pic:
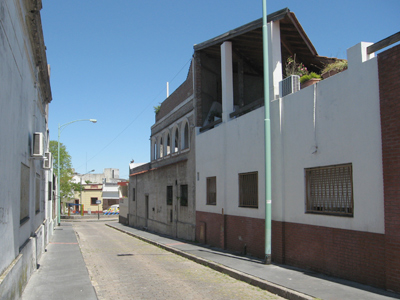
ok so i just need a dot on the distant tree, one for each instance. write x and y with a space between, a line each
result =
67 187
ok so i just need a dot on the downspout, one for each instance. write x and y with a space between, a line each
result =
267 140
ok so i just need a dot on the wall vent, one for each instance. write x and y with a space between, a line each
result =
37 150
48 161
289 85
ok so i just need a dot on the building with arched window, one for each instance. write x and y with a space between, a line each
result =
162 192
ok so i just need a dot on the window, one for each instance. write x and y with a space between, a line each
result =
49 190
161 149
155 155
176 141
184 195
24 196
93 200
248 189
211 190
329 190
186 136
37 194
169 195
133 194
168 144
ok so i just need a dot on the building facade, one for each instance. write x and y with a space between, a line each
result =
96 186
27 198
162 192
335 207
230 155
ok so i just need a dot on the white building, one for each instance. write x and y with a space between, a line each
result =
27 199
335 166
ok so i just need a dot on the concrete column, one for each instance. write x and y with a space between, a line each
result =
275 59
227 80
357 54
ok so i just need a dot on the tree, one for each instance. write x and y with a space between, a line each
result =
67 187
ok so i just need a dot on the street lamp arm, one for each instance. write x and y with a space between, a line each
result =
66 124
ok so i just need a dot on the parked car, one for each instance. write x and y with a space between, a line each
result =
113 210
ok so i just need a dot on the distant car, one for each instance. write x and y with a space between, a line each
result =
113 210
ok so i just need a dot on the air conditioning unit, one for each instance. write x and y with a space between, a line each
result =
48 161
289 85
37 149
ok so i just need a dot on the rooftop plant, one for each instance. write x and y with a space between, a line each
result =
157 108
337 66
309 76
295 68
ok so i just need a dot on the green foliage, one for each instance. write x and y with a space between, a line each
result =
294 68
309 76
157 108
337 66
66 173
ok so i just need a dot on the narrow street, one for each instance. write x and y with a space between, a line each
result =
123 267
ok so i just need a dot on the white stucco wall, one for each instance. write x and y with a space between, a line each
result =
333 122
225 151
22 112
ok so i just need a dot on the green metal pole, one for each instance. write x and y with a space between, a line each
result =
58 179
267 140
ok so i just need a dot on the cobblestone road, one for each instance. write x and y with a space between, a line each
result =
123 267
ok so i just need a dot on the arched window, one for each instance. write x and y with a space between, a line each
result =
168 145
176 141
161 149
154 154
186 136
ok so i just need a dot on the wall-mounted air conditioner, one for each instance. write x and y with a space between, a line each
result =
37 149
289 85
48 161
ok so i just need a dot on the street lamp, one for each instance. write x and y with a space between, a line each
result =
60 127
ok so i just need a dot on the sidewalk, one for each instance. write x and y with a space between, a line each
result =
287 282
62 273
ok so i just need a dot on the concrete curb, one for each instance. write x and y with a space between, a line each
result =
260 283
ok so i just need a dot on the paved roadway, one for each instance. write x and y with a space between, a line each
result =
123 267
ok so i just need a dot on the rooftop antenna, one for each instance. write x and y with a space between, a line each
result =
167 89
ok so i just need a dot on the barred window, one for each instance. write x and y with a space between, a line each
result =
211 190
184 195
248 189
24 196
37 194
329 190
93 201
169 195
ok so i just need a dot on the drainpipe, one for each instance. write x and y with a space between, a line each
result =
267 140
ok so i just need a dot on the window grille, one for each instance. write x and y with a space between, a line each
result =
211 190
248 189
329 190
169 195
93 200
24 193
184 195
37 194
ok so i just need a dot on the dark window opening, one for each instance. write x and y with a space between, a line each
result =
248 189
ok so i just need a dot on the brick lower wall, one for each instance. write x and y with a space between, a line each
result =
234 233
389 94
353 255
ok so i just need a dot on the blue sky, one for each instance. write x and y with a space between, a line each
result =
111 59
